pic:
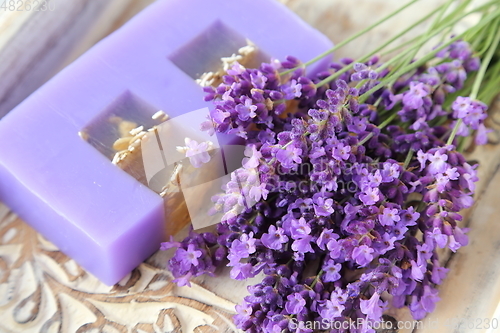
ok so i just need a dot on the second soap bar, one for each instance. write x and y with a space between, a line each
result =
63 183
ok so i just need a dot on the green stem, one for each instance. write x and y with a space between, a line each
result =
404 54
405 69
478 81
399 73
378 49
316 279
476 42
350 39
463 144
426 58
485 64
489 39
408 158
425 37
492 87
454 132
471 35
441 25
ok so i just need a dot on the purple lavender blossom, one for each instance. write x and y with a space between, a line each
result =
332 271
414 98
300 228
331 309
363 255
482 134
295 303
289 156
323 207
373 308
188 257
389 217
325 238
274 239
461 107
246 109
303 245
438 163
292 90
370 196
197 152
330 183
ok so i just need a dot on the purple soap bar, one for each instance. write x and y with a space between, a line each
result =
66 187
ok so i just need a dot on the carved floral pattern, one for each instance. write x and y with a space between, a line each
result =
42 290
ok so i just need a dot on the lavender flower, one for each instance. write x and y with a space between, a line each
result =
274 239
197 152
372 308
332 271
331 184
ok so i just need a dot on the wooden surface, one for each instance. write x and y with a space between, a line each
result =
42 290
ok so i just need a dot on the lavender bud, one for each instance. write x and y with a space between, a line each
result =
220 254
276 95
373 60
372 75
210 238
346 61
269 280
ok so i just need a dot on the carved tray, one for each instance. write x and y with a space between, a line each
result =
42 290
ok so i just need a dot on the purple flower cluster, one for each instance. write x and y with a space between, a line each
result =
347 214
254 97
424 101
472 113
194 256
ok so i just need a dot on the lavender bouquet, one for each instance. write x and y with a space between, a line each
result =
357 176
